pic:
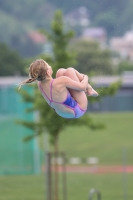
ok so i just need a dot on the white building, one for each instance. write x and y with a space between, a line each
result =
123 45
79 16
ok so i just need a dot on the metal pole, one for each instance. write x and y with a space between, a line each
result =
36 157
47 162
92 192
48 177
64 176
125 197
56 177
36 148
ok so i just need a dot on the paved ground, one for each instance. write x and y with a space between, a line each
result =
101 169
97 169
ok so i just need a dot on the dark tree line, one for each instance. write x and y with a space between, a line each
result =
11 62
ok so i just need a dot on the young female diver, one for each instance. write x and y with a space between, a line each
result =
66 94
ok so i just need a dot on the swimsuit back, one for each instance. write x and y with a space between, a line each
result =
69 101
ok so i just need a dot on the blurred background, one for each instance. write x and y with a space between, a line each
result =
102 47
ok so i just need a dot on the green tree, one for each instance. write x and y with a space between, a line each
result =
48 119
10 62
125 66
62 58
91 58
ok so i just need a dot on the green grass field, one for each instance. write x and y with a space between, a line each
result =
78 187
106 144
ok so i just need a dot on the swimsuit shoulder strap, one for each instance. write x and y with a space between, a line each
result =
42 91
51 90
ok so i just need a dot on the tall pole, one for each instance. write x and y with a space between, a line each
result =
124 174
56 195
36 157
64 176
47 158
36 148
48 177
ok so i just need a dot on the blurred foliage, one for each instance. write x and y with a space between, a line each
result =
91 58
125 66
18 19
107 19
10 62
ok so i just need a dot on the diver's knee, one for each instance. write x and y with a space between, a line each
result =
69 70
60 72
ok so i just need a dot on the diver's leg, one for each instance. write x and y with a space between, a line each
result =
75 75
79 77
79 96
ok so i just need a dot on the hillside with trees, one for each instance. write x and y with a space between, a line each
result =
19 18
115 16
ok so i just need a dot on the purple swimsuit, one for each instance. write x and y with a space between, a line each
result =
69 102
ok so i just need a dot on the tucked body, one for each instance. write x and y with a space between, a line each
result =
66 94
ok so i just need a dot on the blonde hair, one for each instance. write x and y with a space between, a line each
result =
37 71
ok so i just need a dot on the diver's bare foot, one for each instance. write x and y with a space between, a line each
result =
92 92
